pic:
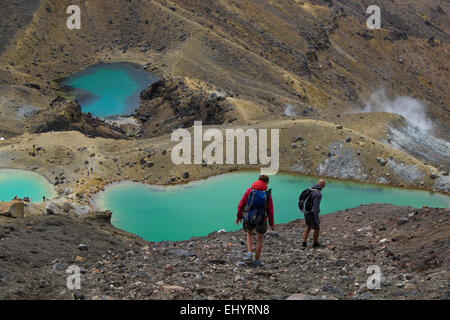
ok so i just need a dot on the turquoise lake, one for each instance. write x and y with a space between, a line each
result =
109 89
158 213
23 183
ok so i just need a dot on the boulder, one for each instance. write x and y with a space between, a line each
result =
80 210
364 229
273 234
183 253
54 208
66 206
402 220
13 209
34 209
99 215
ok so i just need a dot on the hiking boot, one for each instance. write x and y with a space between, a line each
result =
258 263
304 244
317 245
248 257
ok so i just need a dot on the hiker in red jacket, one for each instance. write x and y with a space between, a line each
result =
261 227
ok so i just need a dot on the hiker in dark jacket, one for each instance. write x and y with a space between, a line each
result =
312 218
261 228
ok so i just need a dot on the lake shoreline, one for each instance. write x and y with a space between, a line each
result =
256 171
135 205
43 181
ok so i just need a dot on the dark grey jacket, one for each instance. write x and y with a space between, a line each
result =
316 198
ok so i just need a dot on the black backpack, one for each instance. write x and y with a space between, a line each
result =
305 203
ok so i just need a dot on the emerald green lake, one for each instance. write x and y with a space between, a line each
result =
109 89
23 183
199 208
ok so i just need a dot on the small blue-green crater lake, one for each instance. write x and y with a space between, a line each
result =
23 184
180 212
109 89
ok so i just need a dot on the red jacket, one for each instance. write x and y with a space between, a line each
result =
258 185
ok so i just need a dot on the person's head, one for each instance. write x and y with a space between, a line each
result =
264 178
321 183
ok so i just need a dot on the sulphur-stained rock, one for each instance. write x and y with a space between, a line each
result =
34 209
17 209
13 209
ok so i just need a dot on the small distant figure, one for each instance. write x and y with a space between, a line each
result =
255 208
43 198
309 204
92 169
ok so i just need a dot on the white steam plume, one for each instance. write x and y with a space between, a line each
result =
411 109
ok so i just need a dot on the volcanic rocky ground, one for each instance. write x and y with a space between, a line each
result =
409 245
